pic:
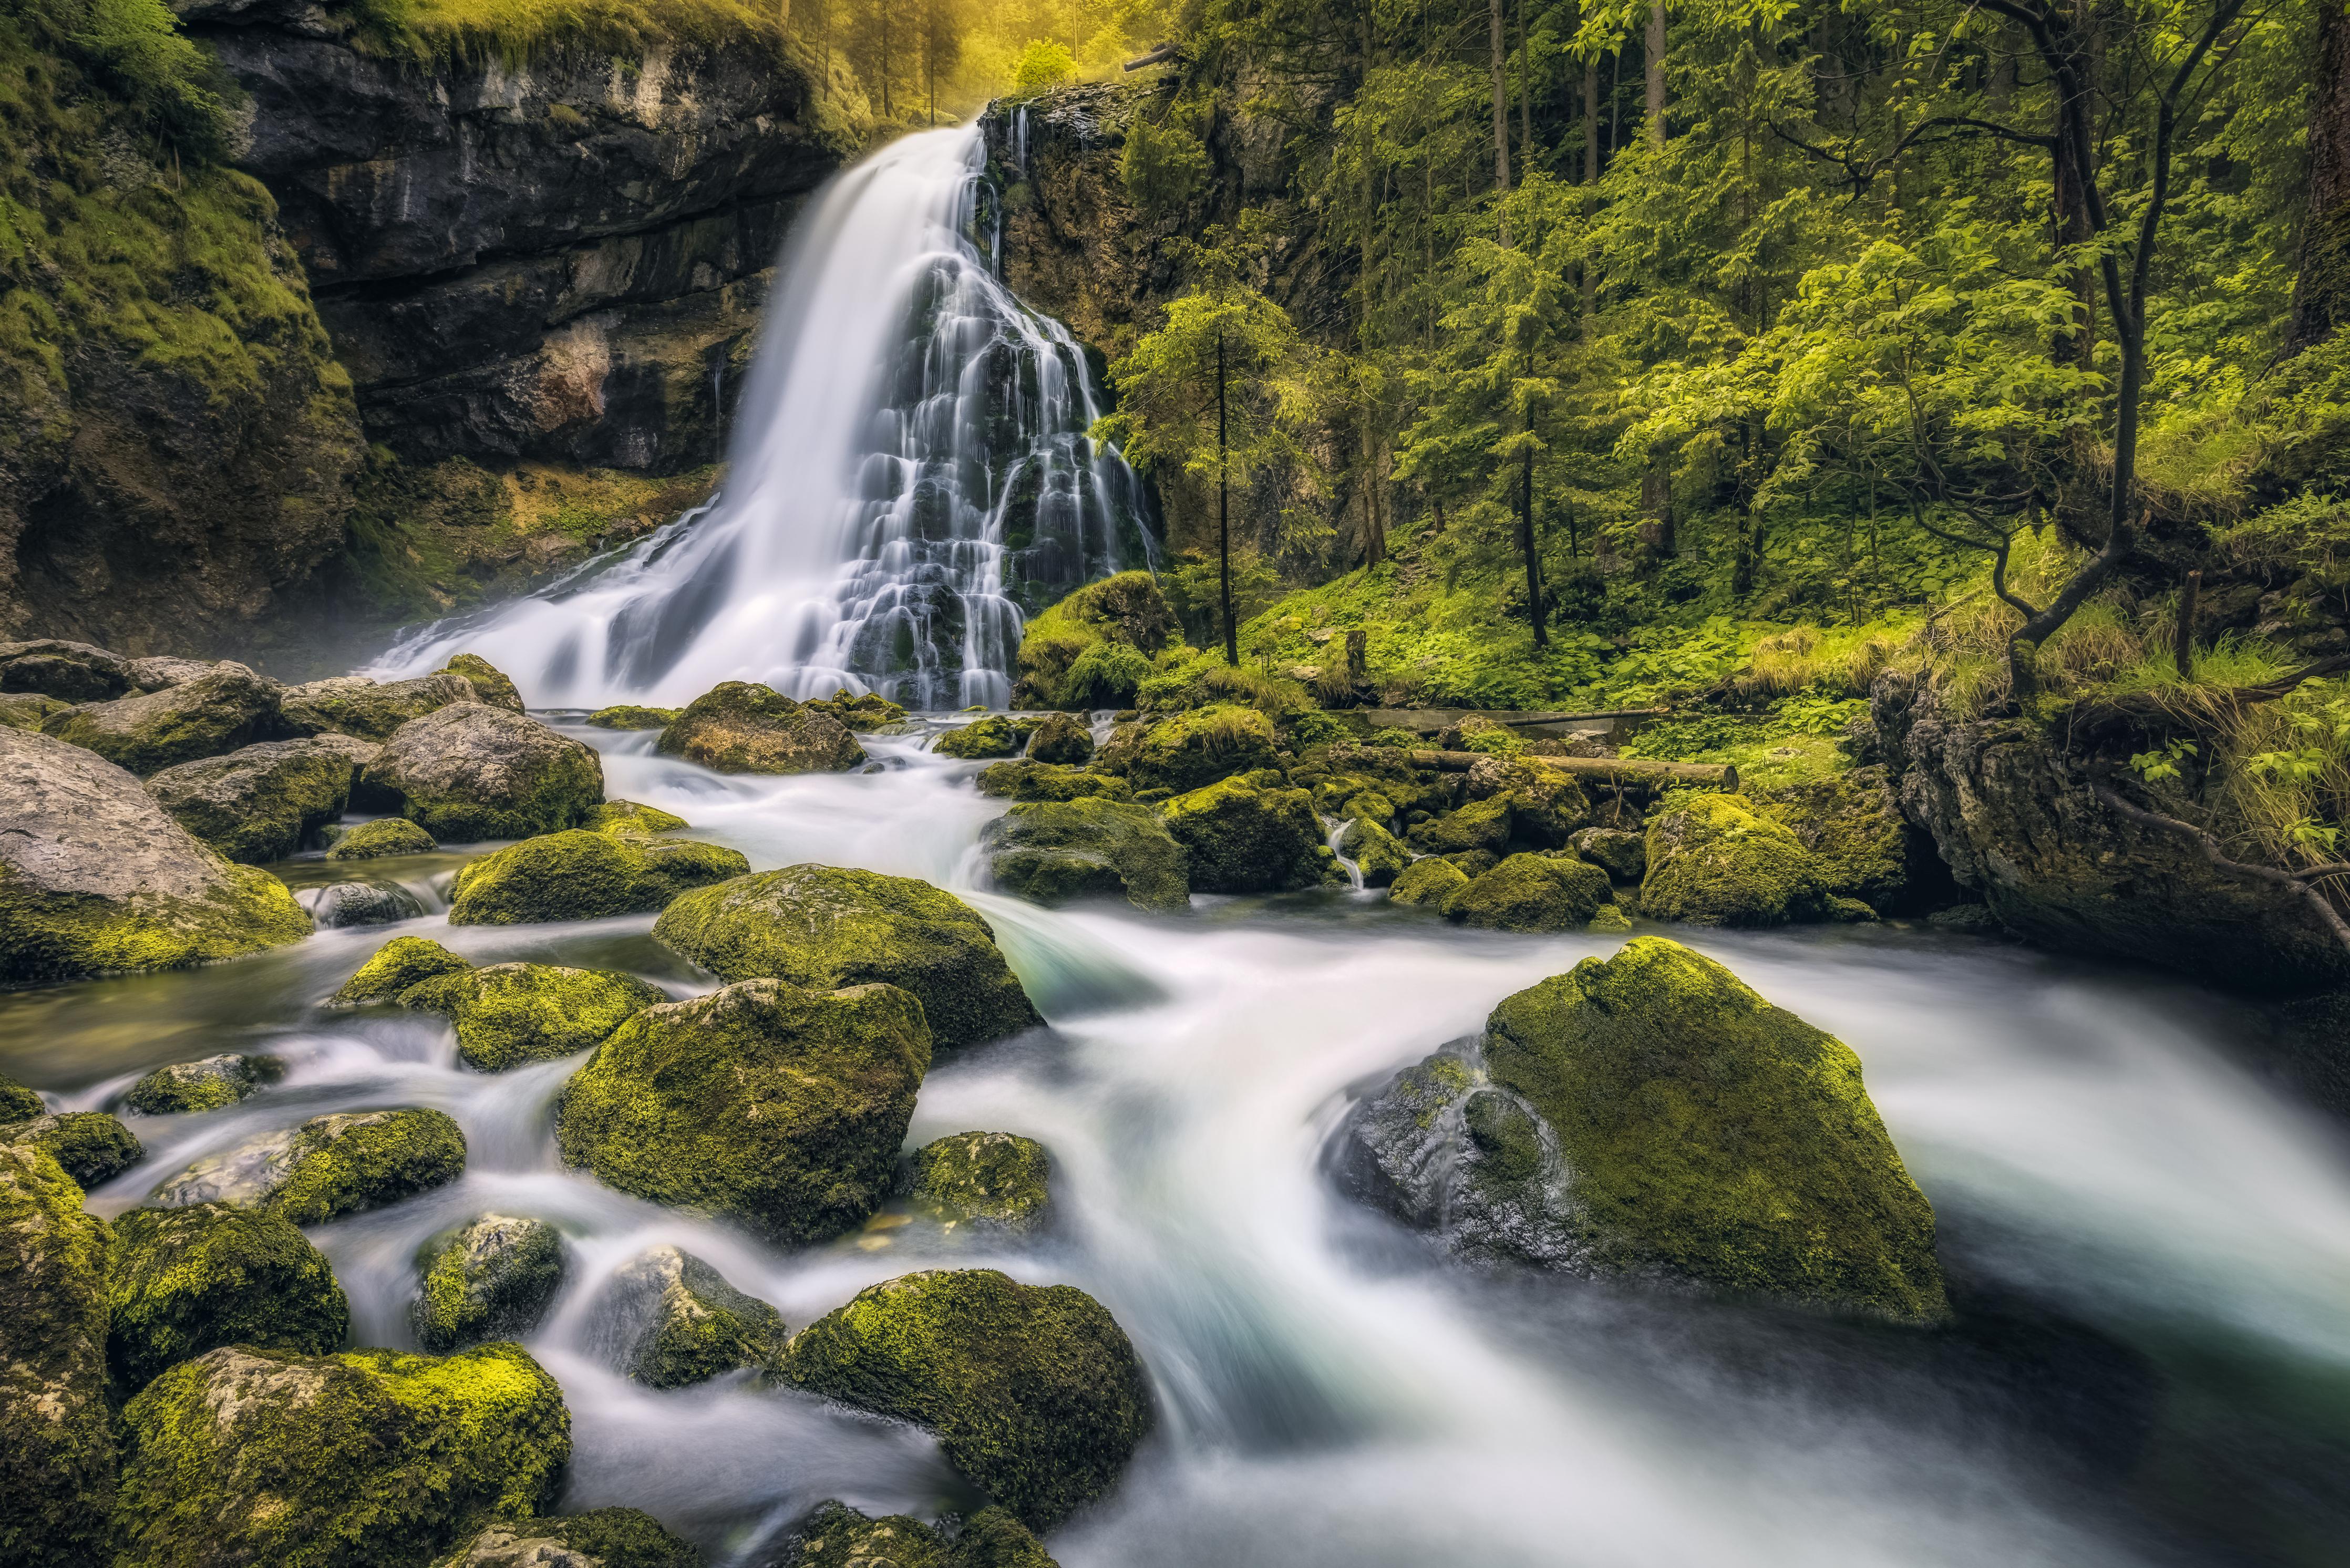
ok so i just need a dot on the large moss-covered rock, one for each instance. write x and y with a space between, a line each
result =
95 876
370 710
1195 748
505 1014
63 670
1428 881
384 837
669 1319
371 1459
1243 839
1094 647
739 728
57 1452
1059 738
1028 780
1481 824
628 819
490 1278
780 1107
1052 853
1713 862
1375 851
230 707
870 712
823 927
1530 893
1622 853
633 716
1034 1392
257 805
89 1145
1861 846
394 967
583 875
328 1167
471 772
186 1281
836 1536
489 684
997 1178
996 735
600 1538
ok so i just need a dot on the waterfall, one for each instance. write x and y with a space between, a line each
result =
910 477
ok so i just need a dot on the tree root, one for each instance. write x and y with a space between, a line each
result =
2301 884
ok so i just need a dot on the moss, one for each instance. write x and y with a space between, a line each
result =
490 1278
18 1102
600 1538
397 965
627 818
371 1459
28 709
385 836
739 728
1199 746
1713 862
1860 845
1094 647
1623 856
1714 1136
1530 893
1042 781
488 683
836 1536
370 710
354 1161
1375 852
57 1452
764 1103
825 926
583 875
1243 839
992 1177
1034 1393
1430 881
186 1281
144 734
690 1325
470 772
1058 737
870 712
996 735
1481 824
91 1147
1054 853
258 803
1611 920
508 1014
45 937
631 716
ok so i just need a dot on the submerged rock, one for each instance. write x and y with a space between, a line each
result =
491 1278
583 875
600 1538
1195 748
739 728
95 876
764 1103
339 905
229 708
57 1445
328 1167
836 1535
384 837
489 685
90 1145
1030 780
1034 1392
505 1014
471 772
998 1178
1713 862
1530 893
1051 853
372 1457
667 1319
825 926
1061 738
370 710
1428 881
257 804
186 1281
632 716
1243 839
996 735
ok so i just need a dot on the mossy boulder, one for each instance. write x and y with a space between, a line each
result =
490 1278
89 1145
627 819
370 710
28 709
632 716
1375 852
1428 881
394 967
1530 892
186 1281
257 805
1034 1392
823 927
739 728
505 1014
1861 846
585 874
470 772
1708 1135
1052 853
780 1107
384 837
1199 746
328 1167
1481 824
1611 920
1243 839
1713 861
95 876
56 1448
996 735
1623 855
600 1538
1094 647
64 670
18 1102
669 1319
862 714
1026 780
489 684
229 708
836 1536
996 1178
1060 738
371 1459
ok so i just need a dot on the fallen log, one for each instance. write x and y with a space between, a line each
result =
1614 770
1158 54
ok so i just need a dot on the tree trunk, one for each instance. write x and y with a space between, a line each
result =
1500 101
1525 98
887 111
1526 542
2320 296
1587 274
1223 517
1656 64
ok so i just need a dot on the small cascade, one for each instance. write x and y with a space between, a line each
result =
1335 829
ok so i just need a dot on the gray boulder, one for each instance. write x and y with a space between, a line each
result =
218 712
1051 852
69 671
491 1278
162 671
256 804
667 1319
371 710
470 772
202 1085
341 904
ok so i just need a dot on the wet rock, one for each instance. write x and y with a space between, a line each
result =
328 1167
996 1178
185 1281
582 875
1199 746
471 772
836 1536
668 1320
627 818
1530 893
996 735
1094 647
777 1107
489 685
244 1455
257 804
505 1014
1611 920
1622 856
1481 824
18 1102
203 1085
57 1447
338 905
384 837
862 714
1375 851
89 1145
1034 1392
229 709
1243 839
28 709
1428 881
399 964
1713 862
825 926
1052 853
1061 738
1860 846
739 728
600 1538
632 716
370 710
491 1278
67 671
1026 780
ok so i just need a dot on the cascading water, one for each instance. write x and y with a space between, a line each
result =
911 472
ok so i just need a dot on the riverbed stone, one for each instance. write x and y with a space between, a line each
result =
1713 861
228 709
1377 853
633 716
18 1102
1428 881
1610 921
370 1458
1034 1392
489 684
669 1319
1195 748
370 710
1622 853
57 1446
995 1179
399 964
1061 738
67 671
823 927
996 735
1051 853
470 772
1024 779
585 874
862 714
257 804
384 837
737 727
185 1281
1244 839
338 906
509 1014
600 1538
1481 824
89 1145
490 1278
834 1535
207 1084
628 819
328 1167
780 1107
1530 892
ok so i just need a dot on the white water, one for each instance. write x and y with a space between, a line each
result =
910 461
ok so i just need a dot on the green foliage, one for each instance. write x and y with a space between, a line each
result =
1163 165
1044 62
